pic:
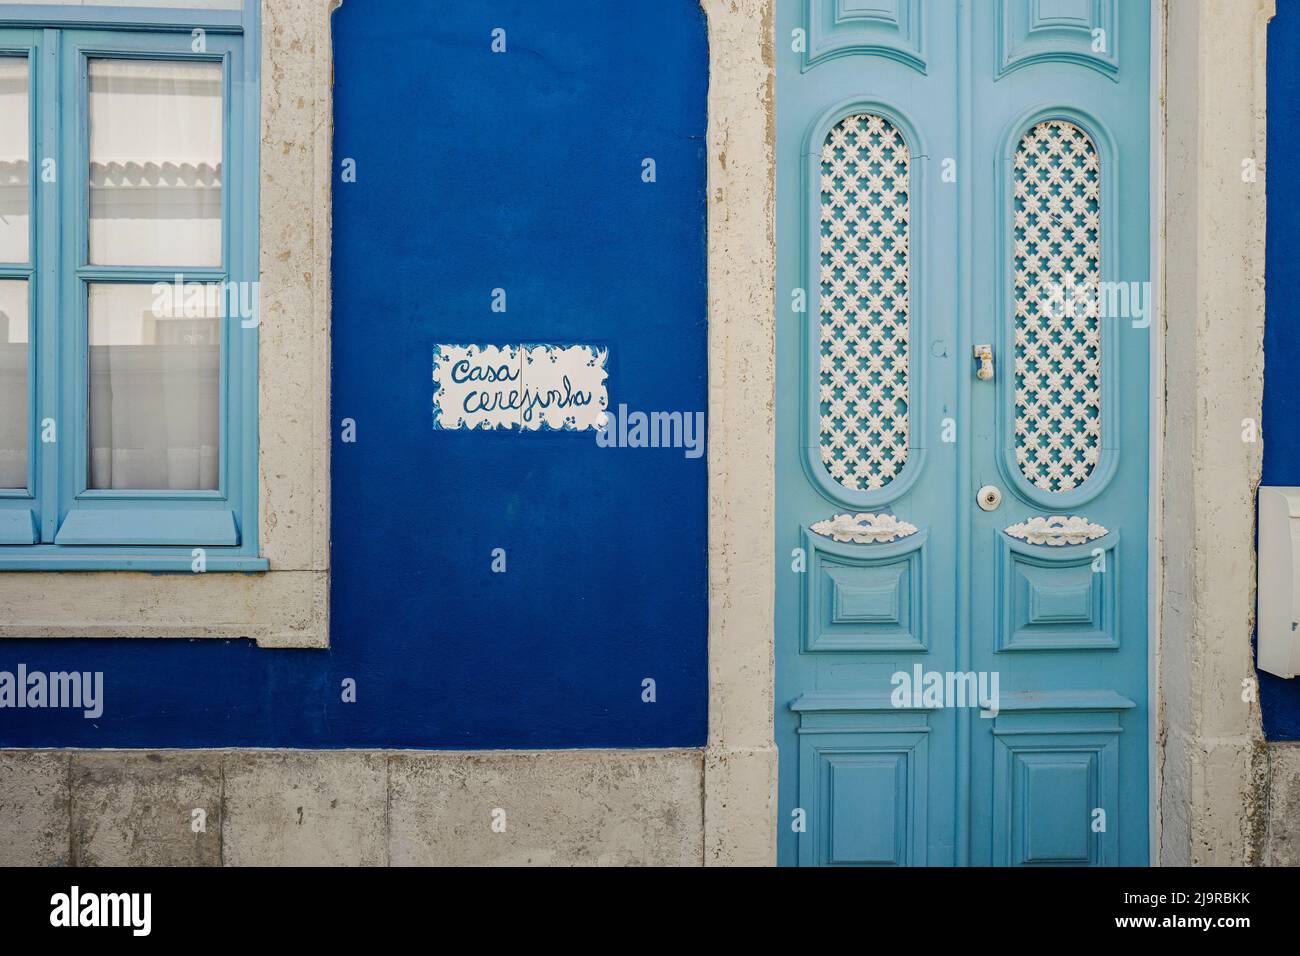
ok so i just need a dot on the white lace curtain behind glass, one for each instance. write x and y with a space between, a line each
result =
178 4
155 200
15 226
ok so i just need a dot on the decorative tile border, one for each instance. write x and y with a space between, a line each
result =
529 387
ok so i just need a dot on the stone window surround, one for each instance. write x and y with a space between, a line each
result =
287 606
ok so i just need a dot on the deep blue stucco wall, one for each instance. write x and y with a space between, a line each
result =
1280 699
476 171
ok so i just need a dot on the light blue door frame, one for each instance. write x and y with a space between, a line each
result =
956 685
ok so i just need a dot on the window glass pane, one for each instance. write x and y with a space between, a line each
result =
865 303
155 163
176 4
15 159
154 387
14 350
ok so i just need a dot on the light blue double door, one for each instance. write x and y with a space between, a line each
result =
962 431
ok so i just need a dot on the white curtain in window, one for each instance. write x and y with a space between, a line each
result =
14 347
15 159
155 162
155 368
178 4
15 228
155 200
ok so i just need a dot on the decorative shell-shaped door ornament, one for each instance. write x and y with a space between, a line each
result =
1057 530
864 528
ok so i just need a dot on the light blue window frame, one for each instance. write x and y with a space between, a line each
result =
57 523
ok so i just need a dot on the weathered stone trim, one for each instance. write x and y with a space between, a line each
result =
1211 748
741 765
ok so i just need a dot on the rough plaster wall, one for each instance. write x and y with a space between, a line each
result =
576 808
136 809
740 766
34 808
1283 836
350 808
1211 744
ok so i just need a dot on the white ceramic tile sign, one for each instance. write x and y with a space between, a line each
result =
559 387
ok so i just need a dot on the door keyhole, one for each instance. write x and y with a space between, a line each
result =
988 498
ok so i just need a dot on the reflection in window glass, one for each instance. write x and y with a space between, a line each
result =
14 351
155 162
15 159
177 4
154 388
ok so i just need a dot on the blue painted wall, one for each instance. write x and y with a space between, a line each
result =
1280 699
475 171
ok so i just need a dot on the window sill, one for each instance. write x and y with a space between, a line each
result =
278 609
129 527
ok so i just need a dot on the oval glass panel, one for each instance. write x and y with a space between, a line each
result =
1057 262
865 310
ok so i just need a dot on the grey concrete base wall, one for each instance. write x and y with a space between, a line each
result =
350 808
1282 834
399 808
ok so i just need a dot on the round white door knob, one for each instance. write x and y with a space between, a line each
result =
989 498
